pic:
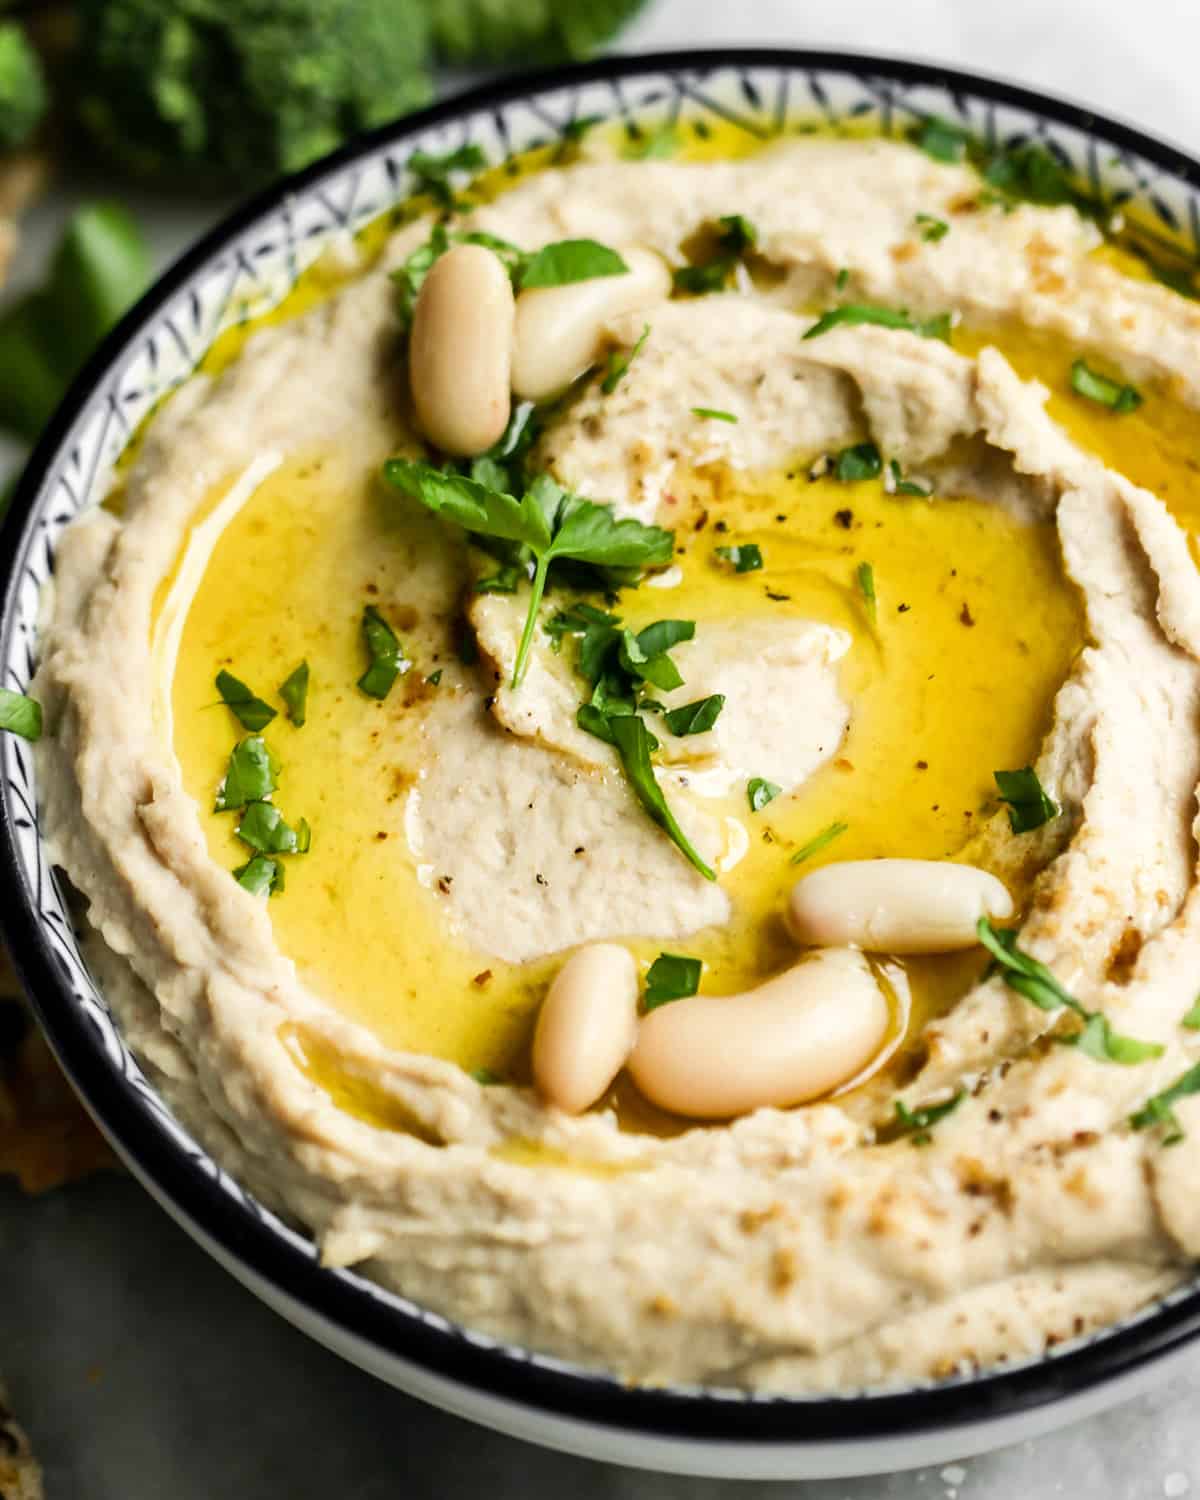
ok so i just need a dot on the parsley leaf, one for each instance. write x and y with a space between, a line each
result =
567 261
260 876
821 841
632 740
941 139
503 581
250 711
737 234
760 792
432 173
249 777
550 522
1158 1109
264 829
854 313
917 1122
902 486
671 977
576 621
697 717
618 363
713 413
697 280
746 558
932 228
1028 804
1093 386
387 655
735 237
294 692
1037 984
866 582
861 461
20 715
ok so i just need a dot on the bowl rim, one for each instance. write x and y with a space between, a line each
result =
726 1417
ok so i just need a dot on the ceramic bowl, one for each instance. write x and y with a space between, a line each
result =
246 265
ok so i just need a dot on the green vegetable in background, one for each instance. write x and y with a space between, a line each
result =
22 87
98 270
238 90
495 31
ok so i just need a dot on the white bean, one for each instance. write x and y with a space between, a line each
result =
794 1038
460 351
560 329
895 905
586 1026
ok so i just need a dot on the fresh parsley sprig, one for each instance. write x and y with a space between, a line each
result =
554 524
1032 979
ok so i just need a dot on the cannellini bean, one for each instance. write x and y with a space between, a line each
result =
460 351
560 329
799 1035
586 1026
895 905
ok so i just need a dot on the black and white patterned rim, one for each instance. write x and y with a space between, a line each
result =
247 265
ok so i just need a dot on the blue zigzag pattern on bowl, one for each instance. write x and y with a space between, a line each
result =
262 263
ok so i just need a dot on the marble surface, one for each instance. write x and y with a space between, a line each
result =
145 1373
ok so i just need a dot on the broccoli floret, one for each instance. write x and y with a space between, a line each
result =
492 31
242 89
22 87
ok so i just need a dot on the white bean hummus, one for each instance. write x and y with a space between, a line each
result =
683 994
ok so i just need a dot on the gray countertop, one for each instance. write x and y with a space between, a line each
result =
145 1373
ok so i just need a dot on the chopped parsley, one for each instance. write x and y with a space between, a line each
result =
760 791
1028 804
1093 386
633 742
250 711
861 461
902 486
855 313
866 583
671 977
576 621
569 261
745 558
932 228
433 173
260 876
736 236
917 1123
387 655
697 717
434 678
20 715
821 841
503 581
264 829
842 277
619 363
1159 1108
1192 1019
294 692
1038 985
941 139
485 1077
713 413
250 776
550 522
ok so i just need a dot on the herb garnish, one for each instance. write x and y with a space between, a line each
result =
697 717
1158 1109
568 261
713 413
250 711
902 486
759 792
1192 1019
503 581
387 655
294 692
737 236
1028 804
861 461
1038 985
633 742
866 582
264 829
433 172
249 777
746 558
618 363
842 277
854 313
671 977
917 1122
576 621
1105 392
260 876
932 228
815 845
941 139
552 523
20 715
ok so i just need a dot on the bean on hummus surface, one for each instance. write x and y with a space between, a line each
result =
631 756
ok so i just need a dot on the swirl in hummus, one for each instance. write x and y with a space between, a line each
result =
926 457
